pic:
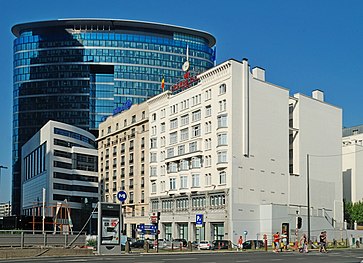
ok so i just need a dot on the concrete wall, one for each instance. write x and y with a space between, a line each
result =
319 129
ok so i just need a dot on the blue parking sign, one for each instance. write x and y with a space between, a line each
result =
199 220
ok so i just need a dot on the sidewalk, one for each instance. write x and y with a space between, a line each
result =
6 253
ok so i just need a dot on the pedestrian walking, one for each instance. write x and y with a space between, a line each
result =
323 241
284 239
240 243
276 238
303 244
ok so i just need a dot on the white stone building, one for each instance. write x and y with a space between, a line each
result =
353 164
221 149
62 159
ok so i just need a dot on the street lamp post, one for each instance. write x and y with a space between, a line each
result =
308 191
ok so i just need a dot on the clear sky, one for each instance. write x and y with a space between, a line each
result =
302 45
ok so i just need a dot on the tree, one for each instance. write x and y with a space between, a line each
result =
353 212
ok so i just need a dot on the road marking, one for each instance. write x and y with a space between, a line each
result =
244 260
172 259
75 260
276 259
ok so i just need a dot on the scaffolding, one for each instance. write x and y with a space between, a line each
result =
59 212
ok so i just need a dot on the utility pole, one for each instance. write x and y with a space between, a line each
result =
308 191
43 219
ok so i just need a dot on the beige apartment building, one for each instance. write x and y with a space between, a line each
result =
123 164
5 209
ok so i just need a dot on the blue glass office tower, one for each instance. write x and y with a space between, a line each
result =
77 71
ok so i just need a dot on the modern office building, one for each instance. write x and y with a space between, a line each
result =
232 150
353 163
123 150
78 71
62 159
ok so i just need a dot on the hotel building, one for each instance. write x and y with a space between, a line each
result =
123 150
233 148
77 71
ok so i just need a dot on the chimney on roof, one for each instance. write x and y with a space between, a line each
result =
258 73
318 95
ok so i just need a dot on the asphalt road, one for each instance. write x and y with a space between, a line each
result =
338 256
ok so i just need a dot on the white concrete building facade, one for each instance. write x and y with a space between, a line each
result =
353 163
62 159
221 149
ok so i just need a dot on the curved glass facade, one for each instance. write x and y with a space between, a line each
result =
79 71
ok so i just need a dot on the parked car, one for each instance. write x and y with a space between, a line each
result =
177 241
140 243
195 244
205 245
220 244
163 243
248 244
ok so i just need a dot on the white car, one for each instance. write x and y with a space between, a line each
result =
205 245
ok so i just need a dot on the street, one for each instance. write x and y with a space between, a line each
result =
338 256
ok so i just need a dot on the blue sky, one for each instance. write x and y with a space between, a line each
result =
302 45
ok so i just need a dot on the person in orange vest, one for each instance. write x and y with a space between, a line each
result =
276 238
240 243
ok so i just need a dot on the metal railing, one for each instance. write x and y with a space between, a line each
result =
24 238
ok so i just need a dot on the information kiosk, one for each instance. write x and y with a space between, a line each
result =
109 228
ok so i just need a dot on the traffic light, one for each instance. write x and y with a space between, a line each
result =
159 216
299 222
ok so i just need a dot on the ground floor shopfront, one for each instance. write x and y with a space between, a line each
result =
250 221
189 231
178 216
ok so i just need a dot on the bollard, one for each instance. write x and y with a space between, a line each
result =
127 247
146 246
265 244
44 239
357 244
229 245
172 246
65 240
190 246
253 246
22 240
181 246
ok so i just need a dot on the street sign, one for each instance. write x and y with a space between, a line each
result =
150 229
199 220
147 227
122 196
